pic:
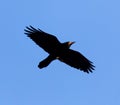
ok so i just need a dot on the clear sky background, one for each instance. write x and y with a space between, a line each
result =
93 24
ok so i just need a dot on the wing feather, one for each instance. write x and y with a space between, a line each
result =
77 60
47 41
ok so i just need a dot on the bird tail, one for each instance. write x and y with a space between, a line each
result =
46 62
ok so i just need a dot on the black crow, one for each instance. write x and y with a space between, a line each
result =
58 50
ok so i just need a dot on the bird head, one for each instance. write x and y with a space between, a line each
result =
67 44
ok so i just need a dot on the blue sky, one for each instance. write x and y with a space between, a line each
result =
93 24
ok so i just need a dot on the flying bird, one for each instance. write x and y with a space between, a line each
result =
58 50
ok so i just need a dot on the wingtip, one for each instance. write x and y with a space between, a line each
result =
89 70
30 30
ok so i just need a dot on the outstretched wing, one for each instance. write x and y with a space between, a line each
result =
47 41
76 60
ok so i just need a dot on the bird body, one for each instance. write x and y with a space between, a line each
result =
58 50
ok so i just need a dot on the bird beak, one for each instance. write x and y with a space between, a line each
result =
70 43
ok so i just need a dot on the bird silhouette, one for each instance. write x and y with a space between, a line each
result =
58 50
